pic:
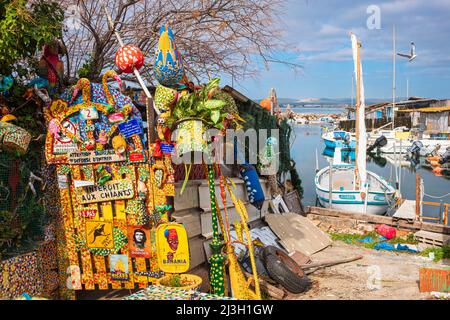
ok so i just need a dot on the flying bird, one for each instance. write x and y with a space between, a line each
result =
410 56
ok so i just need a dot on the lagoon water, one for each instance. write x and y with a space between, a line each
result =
303 151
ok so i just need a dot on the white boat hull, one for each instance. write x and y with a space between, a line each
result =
394 146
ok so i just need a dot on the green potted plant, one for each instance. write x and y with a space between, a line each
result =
198 111
181 281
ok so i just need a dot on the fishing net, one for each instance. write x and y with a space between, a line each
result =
22 215
260 119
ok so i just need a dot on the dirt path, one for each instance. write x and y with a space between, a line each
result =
378 275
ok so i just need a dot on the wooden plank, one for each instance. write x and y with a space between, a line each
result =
191 221
67 244
87 276
140 262
253 215
406 211
197 252
297 233
434 280
122 225
416 225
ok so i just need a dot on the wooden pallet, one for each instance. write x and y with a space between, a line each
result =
432 238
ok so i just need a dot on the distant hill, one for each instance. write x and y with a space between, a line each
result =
326 101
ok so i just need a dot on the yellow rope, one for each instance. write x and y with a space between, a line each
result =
237 272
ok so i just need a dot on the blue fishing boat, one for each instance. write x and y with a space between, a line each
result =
339 139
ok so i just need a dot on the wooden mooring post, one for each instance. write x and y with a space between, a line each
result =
418 216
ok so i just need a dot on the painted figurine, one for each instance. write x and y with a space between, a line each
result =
119 144
51 67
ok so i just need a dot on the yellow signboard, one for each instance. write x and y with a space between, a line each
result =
111 190
173 248
99 235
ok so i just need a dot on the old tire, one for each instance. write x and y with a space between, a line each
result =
284 270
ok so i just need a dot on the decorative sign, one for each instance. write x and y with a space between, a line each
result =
89 113
167 148
130 128
172 247
97 156
63 144
83 183
118 264
111 190
99 235
64 148
88 213
136 157
150 274
62 182
139 241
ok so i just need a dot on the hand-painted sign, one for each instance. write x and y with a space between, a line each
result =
98 156
112 190
139 241
118 264
99 235
89 113
130 128
136 157
172 247
167 148
88 213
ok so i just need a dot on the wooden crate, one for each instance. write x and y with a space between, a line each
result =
434 280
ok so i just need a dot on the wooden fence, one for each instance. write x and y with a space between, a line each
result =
371 124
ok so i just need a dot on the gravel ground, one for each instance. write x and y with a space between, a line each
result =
378 275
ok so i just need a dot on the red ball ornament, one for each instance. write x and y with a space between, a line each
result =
129 57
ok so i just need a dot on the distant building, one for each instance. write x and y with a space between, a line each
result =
430 115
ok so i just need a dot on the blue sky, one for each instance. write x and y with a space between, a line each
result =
318 34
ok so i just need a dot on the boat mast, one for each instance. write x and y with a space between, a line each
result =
393 76
358 105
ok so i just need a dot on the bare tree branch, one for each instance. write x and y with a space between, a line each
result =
213 35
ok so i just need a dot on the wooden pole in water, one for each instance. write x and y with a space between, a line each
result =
417 196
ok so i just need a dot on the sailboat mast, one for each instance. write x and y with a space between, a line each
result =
358 105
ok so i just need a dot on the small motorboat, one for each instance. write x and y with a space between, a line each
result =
390 141
339 139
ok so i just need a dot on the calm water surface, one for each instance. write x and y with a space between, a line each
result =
308 140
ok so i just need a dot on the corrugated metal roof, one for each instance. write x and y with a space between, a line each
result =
427 110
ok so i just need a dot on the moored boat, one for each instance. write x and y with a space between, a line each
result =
339 139
345 195
348 187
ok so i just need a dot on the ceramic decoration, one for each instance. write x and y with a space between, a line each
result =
129 57
168 64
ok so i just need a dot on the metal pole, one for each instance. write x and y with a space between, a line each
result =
407 88
317 162
400 169
119 38
330 186
393 78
